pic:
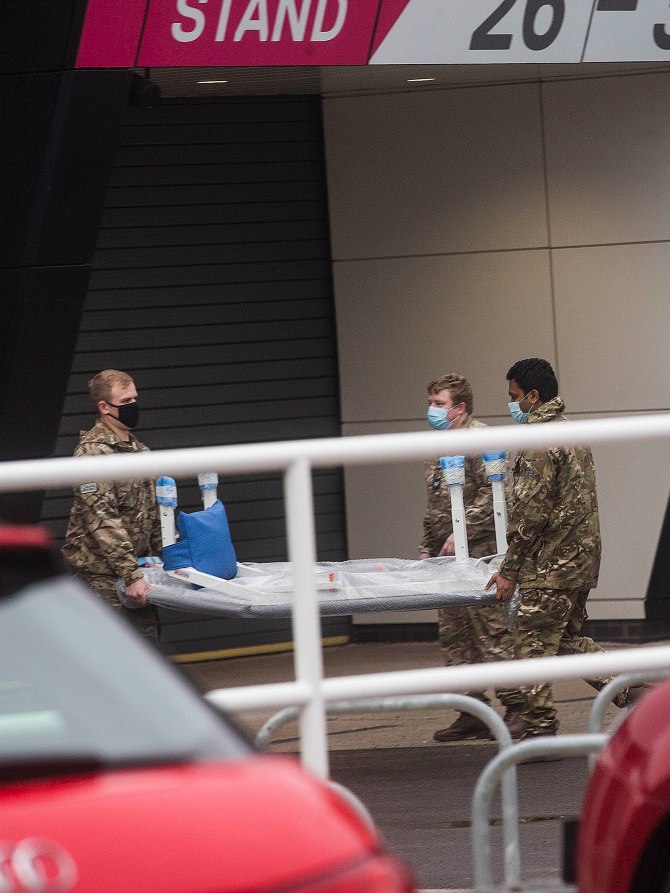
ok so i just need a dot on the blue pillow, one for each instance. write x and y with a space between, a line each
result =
204 543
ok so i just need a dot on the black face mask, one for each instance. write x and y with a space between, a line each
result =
129 413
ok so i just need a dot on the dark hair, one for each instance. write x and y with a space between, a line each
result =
535 374
459 388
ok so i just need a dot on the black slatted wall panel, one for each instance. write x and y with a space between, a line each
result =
212 287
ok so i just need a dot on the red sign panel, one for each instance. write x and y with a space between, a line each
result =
111 33
258 32
166 33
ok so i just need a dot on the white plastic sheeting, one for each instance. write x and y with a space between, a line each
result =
344 587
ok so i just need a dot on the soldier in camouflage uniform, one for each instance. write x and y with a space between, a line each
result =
466 633
113 523
553 539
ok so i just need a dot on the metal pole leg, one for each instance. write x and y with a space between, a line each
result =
166 497
494 463
453 469
208 483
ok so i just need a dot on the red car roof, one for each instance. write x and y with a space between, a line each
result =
18 536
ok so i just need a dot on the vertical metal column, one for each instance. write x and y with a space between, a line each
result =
305 614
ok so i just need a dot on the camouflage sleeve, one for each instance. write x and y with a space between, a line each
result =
156 533
429 537
426 544
479 507
99 512
531 505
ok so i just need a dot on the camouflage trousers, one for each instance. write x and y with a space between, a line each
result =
145 620
472 635
549 623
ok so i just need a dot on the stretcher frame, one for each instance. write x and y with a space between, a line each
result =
273 597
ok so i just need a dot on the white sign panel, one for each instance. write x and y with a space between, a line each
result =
629 32
510 31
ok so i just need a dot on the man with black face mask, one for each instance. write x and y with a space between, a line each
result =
114 523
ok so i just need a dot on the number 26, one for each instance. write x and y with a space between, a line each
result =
482 39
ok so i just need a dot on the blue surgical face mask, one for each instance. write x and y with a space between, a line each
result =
437 417
517 413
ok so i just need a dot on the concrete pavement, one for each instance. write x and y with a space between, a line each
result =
371 730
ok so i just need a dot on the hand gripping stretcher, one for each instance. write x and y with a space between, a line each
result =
200 572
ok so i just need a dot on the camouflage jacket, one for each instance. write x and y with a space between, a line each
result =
553 532
477 500
111 522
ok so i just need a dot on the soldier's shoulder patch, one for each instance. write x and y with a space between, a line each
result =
88 488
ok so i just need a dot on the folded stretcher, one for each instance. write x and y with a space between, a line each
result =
200 572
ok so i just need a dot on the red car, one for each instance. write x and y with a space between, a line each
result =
117 777
623 843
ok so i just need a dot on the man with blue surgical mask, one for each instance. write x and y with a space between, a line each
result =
467 634
553 535
517 403
442 413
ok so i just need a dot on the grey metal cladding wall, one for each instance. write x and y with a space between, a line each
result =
212 285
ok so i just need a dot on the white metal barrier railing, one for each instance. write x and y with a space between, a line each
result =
296 459
499 731
497 768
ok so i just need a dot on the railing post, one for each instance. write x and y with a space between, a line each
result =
542 746
306 619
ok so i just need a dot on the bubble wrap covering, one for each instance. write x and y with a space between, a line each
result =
359 586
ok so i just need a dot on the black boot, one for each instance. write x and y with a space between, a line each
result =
466 726
513 719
